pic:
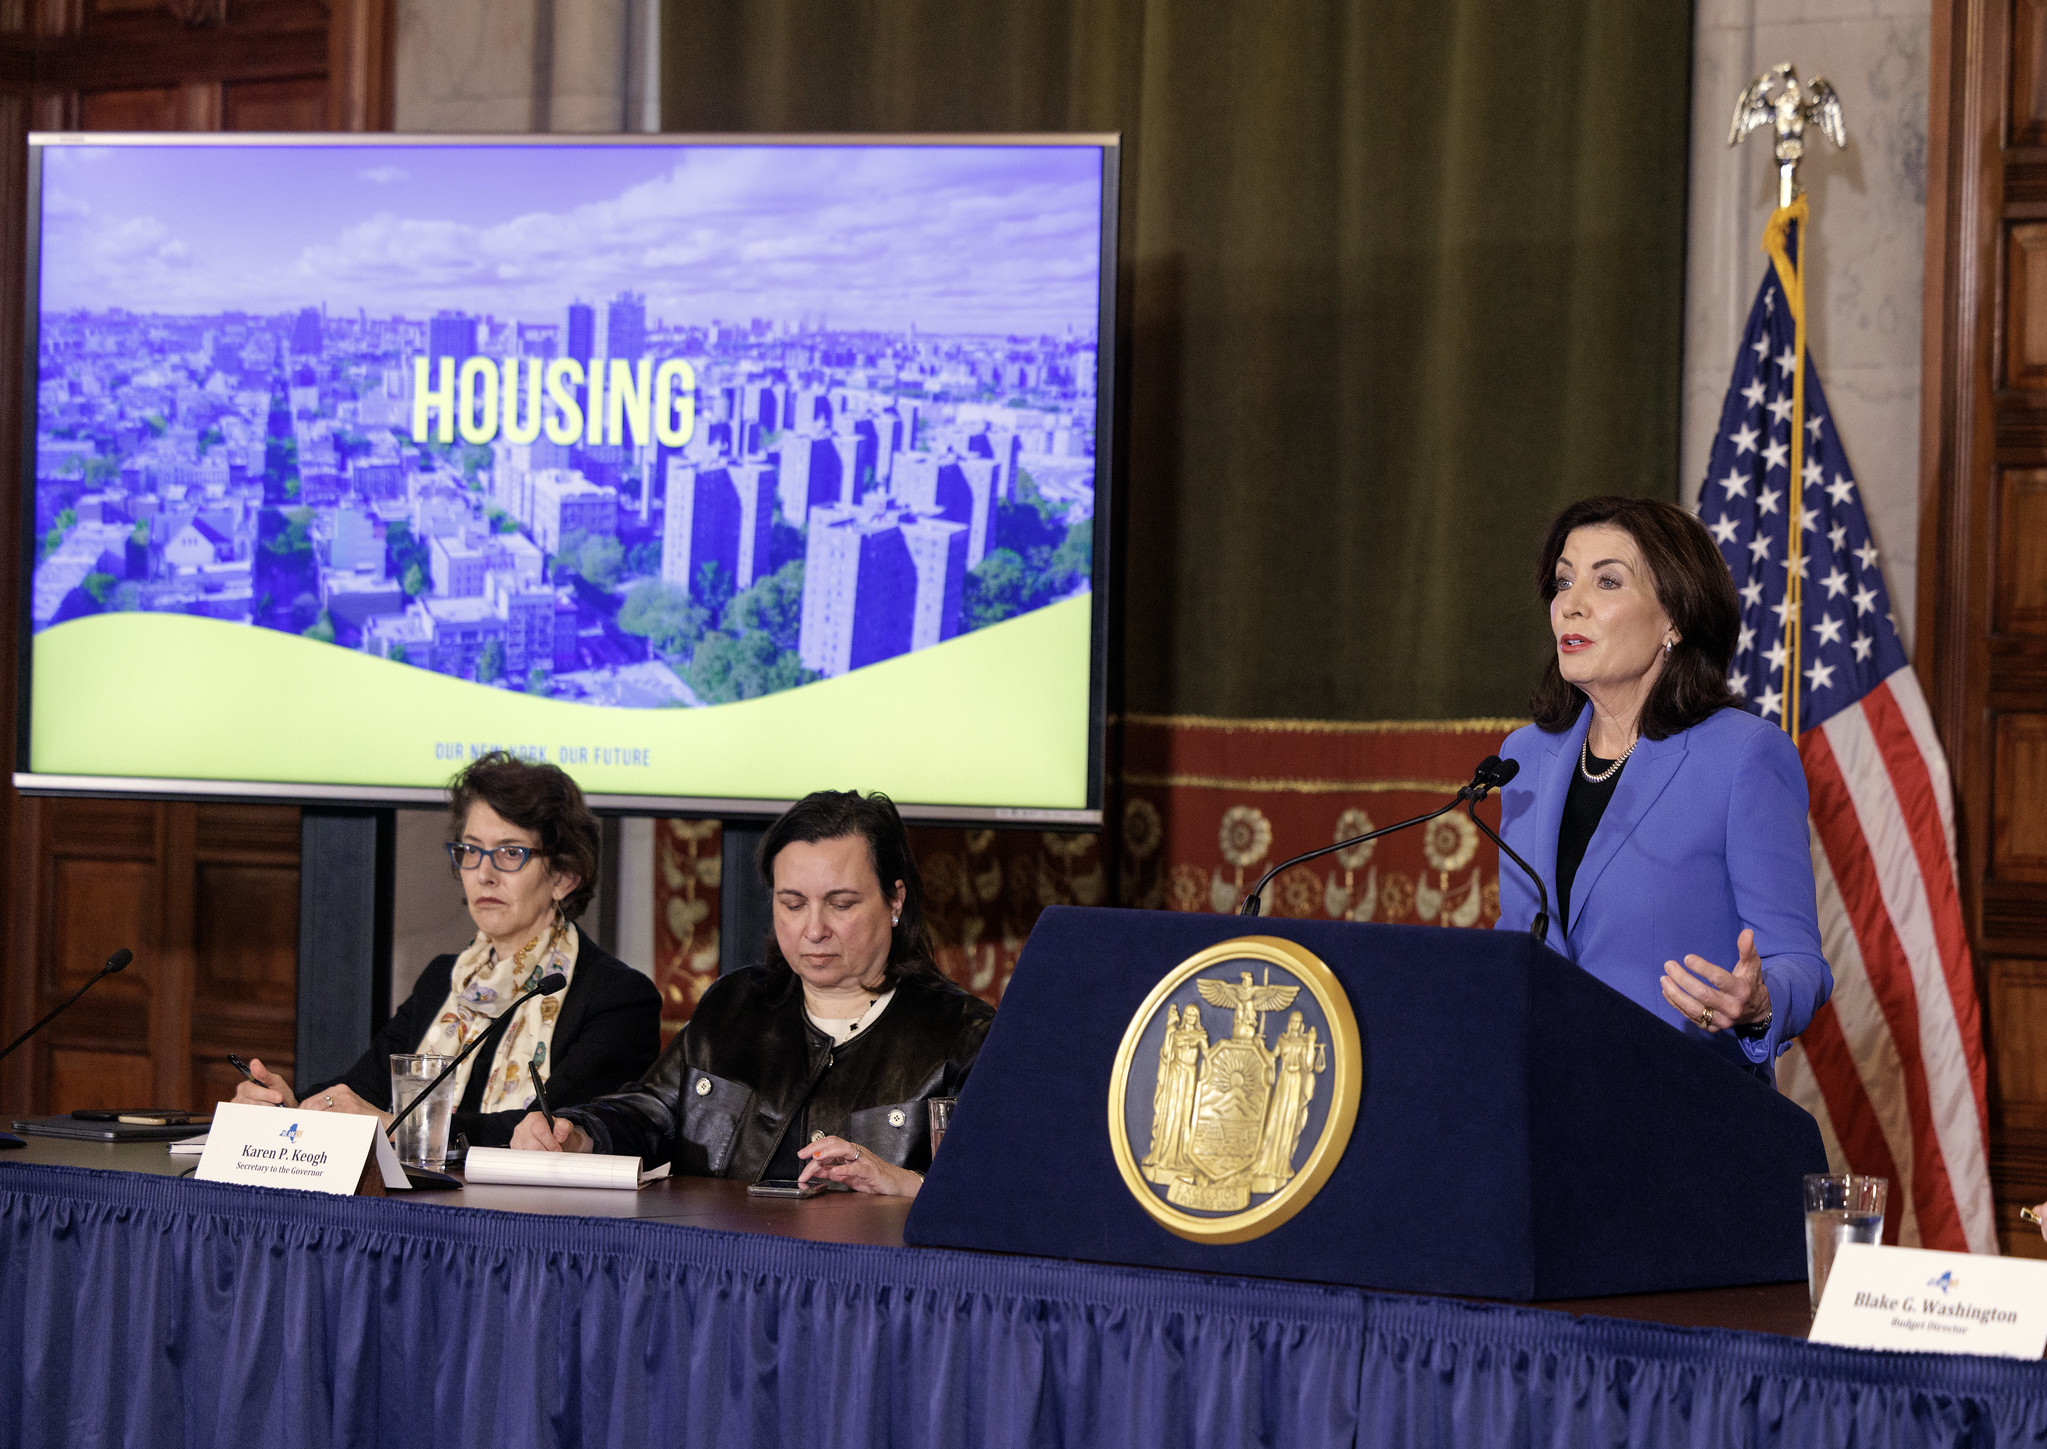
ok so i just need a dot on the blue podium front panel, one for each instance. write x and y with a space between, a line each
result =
1521 1130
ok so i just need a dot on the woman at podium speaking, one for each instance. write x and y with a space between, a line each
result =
1668 823
819 1064
525 849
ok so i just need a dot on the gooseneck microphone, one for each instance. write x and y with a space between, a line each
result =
1482 782
547 985
1503 771
427 1177
116 962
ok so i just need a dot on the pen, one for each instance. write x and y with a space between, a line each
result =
241 1066
540 1092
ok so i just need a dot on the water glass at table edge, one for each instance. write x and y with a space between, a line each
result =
1840 1207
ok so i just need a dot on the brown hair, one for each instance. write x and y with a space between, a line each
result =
833 815
539 798
1693 586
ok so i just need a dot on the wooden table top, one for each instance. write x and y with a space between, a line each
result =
864 1221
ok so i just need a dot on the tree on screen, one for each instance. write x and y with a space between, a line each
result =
663 615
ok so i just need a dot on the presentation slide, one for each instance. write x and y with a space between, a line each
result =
706 471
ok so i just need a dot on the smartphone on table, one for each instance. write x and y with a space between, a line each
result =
783 1187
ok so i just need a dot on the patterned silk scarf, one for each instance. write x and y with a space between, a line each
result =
480 988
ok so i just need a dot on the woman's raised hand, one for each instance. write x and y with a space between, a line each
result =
1715 1000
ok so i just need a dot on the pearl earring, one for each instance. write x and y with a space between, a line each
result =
1666 647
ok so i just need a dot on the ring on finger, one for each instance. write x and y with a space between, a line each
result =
1706 1018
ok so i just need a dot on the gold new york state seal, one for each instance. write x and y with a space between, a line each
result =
1226 1153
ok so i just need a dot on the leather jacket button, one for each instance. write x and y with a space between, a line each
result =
703 1086
895 1118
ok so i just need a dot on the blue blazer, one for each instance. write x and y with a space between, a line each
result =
1705 835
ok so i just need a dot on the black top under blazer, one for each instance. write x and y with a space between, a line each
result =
749 1068
608 1032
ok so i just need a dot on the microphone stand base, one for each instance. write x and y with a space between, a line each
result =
427 1179
8 1139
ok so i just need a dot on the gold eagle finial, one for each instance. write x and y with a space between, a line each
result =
1789 112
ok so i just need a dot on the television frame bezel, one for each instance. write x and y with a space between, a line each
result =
1108 484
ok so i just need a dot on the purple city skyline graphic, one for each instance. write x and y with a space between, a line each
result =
245 401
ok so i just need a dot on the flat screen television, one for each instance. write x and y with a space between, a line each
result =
713 469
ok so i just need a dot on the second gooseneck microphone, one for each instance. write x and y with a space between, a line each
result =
1500 773
1481 783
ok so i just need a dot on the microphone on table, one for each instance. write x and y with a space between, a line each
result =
116 962
1501 772
547 985
1482 781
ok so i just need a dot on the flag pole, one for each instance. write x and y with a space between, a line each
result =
1788 112
1786 232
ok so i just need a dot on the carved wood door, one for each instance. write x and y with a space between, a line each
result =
207 895
1982 628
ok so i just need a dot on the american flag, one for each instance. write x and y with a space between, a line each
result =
1892 1066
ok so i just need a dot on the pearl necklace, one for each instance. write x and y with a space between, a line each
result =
1585 762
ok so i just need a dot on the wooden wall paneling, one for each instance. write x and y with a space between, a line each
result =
2019 819
83 1079
2015 1013
245 943
1981 642
17 974
288 105
97 891
2029 73
361 46
154 108
2026 308
206 895
2022 553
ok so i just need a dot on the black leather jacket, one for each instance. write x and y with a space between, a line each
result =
749 1067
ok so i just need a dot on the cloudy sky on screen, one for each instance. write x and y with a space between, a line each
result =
950 239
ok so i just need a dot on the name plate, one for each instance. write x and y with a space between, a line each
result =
286 1147
1921 1301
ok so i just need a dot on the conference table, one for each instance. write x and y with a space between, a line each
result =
157 1309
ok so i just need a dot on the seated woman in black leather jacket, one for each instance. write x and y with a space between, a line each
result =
818 1064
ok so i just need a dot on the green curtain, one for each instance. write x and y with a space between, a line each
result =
1399 280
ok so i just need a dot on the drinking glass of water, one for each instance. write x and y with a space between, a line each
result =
1840 1207
941 1119
423 1137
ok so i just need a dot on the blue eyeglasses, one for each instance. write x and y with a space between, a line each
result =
511 859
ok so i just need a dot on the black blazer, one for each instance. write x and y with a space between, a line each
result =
749 1069
608 1033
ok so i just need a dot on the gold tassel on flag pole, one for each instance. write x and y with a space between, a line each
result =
1788 113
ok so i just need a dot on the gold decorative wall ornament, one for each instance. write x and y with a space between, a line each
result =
1221 1139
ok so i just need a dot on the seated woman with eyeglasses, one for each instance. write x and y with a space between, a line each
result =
526 852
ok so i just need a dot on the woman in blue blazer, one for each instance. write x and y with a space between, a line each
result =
1668 824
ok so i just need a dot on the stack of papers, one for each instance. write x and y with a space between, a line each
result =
558 1169
190 1147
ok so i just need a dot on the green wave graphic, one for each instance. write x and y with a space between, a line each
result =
996 717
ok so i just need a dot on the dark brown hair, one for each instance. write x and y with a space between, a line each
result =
539 798
1693 586
834 815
